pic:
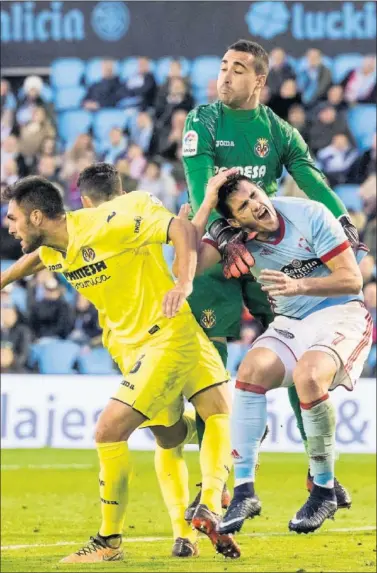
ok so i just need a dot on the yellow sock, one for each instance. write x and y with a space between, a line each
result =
215 460
114 476
172 475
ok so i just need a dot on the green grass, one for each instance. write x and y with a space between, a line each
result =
43 507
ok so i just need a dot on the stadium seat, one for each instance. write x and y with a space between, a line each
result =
362 123
343 64
203 69
128 68
66 72
162 68
93 71
72 123
54 356
200 95
349 194
97 361
105 120
69 98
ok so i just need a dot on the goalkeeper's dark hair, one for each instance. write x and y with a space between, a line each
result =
261 61
36 192
100 182
226 191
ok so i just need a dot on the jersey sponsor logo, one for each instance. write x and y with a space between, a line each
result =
250 171
262 147
54 267
88 254
138 221
86 271
110 216
284 333
208 318
299 269
190 144
223 143
128 384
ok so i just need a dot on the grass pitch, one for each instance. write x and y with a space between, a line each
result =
50 507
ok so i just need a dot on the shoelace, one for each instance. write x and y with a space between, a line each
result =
91 547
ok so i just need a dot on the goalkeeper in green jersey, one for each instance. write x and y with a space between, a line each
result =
238 131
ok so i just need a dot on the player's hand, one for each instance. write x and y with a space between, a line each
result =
184 212
174 298
279 284
212 190
237 260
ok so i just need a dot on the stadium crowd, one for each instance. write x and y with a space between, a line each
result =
44 310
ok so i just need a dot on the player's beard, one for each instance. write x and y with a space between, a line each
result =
35 240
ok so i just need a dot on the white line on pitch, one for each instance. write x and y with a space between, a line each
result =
8 467
157 539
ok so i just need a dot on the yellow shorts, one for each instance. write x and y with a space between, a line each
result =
179 362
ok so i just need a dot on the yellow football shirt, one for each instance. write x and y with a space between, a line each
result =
114 258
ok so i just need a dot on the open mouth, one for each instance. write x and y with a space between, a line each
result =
263 214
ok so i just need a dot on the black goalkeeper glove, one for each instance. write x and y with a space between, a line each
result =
231 243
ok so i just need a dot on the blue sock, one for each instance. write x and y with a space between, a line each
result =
248 422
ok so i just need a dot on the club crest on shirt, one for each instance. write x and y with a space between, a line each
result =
88 254
208 318
262 147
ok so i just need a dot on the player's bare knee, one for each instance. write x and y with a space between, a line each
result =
212 401
261 367
170 437
308 378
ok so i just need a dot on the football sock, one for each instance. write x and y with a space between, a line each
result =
114 476
172 475
222 349
319 422
295 404
248 423
215 460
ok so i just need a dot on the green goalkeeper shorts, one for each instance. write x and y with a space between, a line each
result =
217 303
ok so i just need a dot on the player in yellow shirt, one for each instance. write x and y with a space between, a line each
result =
113 256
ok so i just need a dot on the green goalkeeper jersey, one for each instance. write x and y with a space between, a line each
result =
259 143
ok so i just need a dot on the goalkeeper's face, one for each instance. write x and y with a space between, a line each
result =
252 210
237 82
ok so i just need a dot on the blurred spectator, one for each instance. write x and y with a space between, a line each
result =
160 184
336 159
51 316
297 118
10 150
140 89
368 269
49 148
170 137
47 167
116 147
72 192
335 96
34 132
288 96
128 183
177 97
212 95
8 105
141 131
365 165
103 93
327 123
315 79
10 247
15 340
280 71
360 84
32 99
86 329
9 171
82 148
175 71
136 160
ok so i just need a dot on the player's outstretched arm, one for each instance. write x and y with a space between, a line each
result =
183 236
345 278
25 266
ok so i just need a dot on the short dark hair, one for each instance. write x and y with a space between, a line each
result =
261 62
36 192
100 182
226 191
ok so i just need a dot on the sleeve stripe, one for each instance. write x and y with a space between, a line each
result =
211 242
336 251
167 230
